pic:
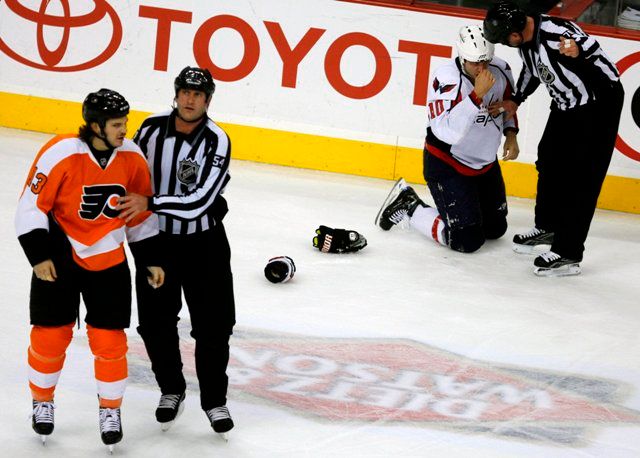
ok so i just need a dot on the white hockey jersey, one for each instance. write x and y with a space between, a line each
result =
461 131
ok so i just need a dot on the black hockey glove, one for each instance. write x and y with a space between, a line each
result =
330 240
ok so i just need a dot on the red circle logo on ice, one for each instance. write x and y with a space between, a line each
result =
623 65
52 57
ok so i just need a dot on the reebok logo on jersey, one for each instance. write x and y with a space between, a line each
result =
100 199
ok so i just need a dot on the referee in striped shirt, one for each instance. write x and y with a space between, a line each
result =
578 141
188 156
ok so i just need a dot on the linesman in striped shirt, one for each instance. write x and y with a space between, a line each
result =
578 141
188 156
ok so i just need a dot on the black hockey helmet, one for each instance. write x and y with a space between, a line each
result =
104 105
503 19
198 79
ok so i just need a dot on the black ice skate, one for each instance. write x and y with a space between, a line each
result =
551 264
42 418
526 243
400 203
169 408
110 427
221 421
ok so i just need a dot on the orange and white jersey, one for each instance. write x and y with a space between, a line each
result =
67 182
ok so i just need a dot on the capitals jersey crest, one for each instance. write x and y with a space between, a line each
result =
442 88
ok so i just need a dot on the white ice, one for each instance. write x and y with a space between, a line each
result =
573 342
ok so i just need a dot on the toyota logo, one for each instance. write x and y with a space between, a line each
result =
50 58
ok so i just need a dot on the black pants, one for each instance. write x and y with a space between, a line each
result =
573 157
106 295
198 265
474 208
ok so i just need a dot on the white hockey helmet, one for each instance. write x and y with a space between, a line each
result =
472 45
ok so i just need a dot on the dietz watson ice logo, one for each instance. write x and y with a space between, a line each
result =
50 58
400 381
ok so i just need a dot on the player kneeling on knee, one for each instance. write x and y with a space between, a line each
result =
460 164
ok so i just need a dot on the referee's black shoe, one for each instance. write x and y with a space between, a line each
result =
169 407
551 264
526 242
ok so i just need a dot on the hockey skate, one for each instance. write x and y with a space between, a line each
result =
527 242
400 203
169 408
110 427
551 264
42 419
220 420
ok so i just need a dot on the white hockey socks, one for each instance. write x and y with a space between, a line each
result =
428 222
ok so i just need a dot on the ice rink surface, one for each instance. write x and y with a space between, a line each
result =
403 349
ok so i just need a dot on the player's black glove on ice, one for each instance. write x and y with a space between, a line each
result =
330 240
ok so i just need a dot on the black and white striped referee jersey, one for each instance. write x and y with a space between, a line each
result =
571 81
188 172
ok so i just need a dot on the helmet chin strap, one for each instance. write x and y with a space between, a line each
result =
102 136
464 70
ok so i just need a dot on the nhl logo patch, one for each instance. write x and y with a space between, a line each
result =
545 74
188 171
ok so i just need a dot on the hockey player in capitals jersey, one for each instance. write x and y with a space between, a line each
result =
460 163
69 229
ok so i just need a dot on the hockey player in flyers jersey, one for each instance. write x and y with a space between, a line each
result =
460 163
69 229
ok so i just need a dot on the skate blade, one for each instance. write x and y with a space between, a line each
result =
564 271
530 249
224 436
167 426
399 185
111 449
43 438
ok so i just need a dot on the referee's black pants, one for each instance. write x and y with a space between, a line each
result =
199 265
573 157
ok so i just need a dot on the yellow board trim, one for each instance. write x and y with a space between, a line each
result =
307 151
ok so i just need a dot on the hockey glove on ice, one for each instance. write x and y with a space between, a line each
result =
280 269
330 240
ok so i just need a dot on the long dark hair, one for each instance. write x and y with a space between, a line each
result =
86 133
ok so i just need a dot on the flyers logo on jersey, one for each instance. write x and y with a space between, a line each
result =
100 199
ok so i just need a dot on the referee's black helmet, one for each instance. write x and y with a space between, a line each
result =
503 19
195 78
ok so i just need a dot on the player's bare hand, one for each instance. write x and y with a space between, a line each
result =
568 47
484 82
506 107
156 279
511 148
131 206
45 270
